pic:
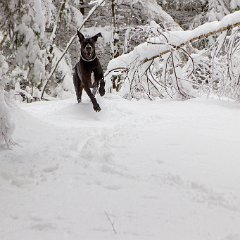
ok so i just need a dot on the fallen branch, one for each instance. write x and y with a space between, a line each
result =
69 44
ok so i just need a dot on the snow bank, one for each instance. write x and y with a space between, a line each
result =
159 170
6 123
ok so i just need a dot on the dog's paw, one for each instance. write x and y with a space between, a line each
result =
101 90
79 100
97 108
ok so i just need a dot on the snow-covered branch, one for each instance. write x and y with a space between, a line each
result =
163 67
159 46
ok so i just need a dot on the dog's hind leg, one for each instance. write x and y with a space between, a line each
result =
78 86
94 91
80 93
95 88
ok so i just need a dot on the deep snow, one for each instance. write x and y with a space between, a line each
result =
157 170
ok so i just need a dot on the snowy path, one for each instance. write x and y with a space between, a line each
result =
158 170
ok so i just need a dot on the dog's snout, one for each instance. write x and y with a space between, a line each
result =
88 47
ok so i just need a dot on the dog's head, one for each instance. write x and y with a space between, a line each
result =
88 45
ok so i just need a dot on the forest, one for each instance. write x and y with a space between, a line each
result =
171 52
164 146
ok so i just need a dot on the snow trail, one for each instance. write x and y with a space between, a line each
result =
160 170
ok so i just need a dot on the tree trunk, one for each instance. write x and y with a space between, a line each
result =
115 48
82 7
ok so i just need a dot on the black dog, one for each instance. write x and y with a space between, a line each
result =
88 65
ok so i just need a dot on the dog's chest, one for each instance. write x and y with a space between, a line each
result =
92 78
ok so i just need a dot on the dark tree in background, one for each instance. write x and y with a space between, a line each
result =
82 7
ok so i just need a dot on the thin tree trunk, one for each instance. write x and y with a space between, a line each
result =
115 50
82 7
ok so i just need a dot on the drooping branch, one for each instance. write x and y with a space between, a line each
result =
176 39
98 4
194 39
185 75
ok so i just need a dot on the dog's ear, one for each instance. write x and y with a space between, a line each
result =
95 37
80 36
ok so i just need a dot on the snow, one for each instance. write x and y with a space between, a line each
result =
77 17
65 69
6 124
105 31
39 17
154 170
234 4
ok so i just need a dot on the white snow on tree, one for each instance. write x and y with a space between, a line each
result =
155 68
6 125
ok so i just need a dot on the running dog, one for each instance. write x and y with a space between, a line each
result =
88 72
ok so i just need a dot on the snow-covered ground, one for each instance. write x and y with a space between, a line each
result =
137 170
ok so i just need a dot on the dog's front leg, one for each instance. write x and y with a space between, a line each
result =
96 106
99 78
102 88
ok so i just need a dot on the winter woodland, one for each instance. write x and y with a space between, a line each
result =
151 51
153 57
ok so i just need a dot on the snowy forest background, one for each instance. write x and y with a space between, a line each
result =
166 64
